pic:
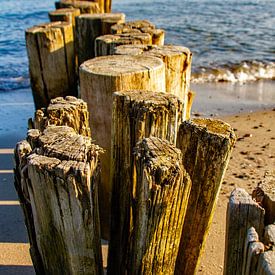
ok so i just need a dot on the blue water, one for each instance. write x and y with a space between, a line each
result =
230 40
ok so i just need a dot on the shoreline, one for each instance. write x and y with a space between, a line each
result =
250 158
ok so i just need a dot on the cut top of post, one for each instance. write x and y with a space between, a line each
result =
104 16
116 65
132 25
84 6
46 26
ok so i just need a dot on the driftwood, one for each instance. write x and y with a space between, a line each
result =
99 78
206 145
68 111
106 44
265 194
141 26
59 179
177 62
136 115
51 55
89 27
160 194
242 213
83 6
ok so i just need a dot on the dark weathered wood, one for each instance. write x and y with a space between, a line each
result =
89 27
265 194
51 55
68 111
83 6
206 145
141 26
22 150
136 115
242 213
62 180
177 62
99 78
106 44
160 192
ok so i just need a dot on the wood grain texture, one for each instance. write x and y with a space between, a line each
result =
66 14
242 213
99 78
62 181
89 27
136 115
206 145
51 56
84 6
161 189
177 62
68 111
106 44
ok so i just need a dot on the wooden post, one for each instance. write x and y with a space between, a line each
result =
266 264
84 6
206 145
22 150
242 213
141 26
99 78
177 62
89 27
265 194
67 15
191 96
161 190
136 114
106 44
62 181
68 111
269 235
50 50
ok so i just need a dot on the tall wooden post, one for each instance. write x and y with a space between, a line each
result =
206 145
99 78
68 111
177 62
106 44
84 6
89 27
51 55
66 14
242 213
161 190
62 180
136 114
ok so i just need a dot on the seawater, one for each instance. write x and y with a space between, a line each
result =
230 40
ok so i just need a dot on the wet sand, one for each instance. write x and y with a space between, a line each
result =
252 156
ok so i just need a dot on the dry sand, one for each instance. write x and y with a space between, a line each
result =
253 154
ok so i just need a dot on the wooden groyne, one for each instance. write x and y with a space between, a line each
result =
125 162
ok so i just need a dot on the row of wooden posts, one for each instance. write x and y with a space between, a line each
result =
128 163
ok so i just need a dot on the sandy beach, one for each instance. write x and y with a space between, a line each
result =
249 109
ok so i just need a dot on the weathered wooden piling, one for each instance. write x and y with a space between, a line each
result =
83 6
68 111
159 200
242 213
265 195
66 14
206 145
99 78
136 115
60 179
89 27
141 26
51 56
106 44
177 62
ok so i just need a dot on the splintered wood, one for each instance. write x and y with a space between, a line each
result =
51 55
99 79
68 111
160 190
136 115
58 178
206 145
